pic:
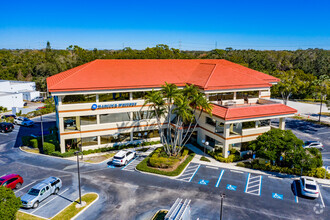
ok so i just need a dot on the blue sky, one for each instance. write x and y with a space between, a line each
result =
191 25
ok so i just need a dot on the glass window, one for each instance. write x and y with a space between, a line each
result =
139 95
221 96
139 135
210 121
106 139
70 99
210 140
153 134
88 120
263 123
70 123
248 124
219 127
108 97
123 137
247 94
88 141
71 144
142 115
115 117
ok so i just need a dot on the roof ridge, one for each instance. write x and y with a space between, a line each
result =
207 81
87 64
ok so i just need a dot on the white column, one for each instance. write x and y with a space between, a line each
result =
282 124
98 140
98 119
97 98
62 145
234 95
131 135
131 96
226 134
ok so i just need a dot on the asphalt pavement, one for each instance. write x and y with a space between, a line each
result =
128 194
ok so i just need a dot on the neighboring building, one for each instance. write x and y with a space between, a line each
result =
13 93
100 103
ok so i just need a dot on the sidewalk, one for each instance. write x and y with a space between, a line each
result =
232 166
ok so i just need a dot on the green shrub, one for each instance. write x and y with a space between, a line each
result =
48 148
204 159
26 140
240 164
34 143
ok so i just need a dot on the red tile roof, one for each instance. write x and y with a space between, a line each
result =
125 74
257 111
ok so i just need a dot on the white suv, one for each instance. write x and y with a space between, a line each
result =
123 157
309 187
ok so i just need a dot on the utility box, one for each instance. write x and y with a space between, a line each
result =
179 211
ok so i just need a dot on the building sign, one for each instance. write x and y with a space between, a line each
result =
121 105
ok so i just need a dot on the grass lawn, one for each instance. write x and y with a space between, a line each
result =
160 215
25 216
205 159
70 211
145 165
98 159
31 150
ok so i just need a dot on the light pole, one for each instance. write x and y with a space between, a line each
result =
222 196
205 143
42 132
77 154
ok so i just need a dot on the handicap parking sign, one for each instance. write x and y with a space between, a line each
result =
231 187
277 196
203 182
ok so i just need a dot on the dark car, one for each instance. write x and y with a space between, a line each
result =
6 127
12 181
8 116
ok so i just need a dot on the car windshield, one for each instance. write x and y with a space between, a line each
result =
33 192
118 158
309 186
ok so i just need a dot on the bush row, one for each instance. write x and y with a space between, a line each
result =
143 166
234 156
314 172
70 153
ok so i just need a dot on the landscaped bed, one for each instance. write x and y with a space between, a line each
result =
160 215
159 162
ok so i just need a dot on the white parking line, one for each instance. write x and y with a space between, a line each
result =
328 132
322 199
49 201
211 167
326 186
194 173
219 179
24 187
274 177
253 187
236 171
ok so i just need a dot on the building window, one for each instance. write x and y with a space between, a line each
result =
108 97
71 144
139 135
219 128
71 99
106 139
263 123
248 124
142 115
153 134
88 120
115 117
210 121
235 129
247 94
221 96
138 95
210 140
70 123
123 137
89 141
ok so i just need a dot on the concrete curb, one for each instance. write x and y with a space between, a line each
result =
157 213
45 155
84 209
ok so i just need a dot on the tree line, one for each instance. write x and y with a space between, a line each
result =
304 73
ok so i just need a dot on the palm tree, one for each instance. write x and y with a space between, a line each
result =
184 104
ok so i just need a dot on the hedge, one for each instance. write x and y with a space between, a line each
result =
205 159
314 172
143 166
34 143
26 140
48 148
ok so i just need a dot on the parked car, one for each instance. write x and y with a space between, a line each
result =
12 181
23 121
37 99
123 157
6 127
313 144
309 187
41 191
25 104
8 116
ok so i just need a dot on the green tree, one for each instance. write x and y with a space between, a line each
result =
183 104
9 203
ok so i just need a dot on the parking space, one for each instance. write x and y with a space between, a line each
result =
207 175
189 172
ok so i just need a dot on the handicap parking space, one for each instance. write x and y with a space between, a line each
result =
133 163
253 184
207 175
233 180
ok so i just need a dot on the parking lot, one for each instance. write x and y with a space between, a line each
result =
264 186
54 203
